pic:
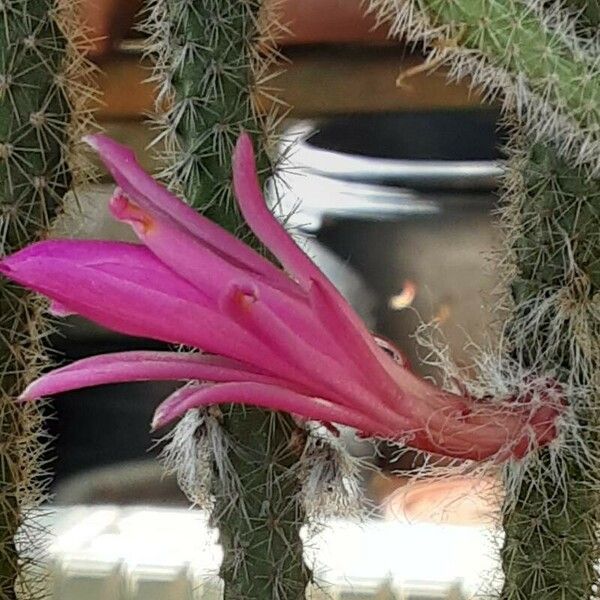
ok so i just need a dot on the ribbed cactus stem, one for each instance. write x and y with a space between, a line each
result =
38 60
209 57
546 73
545 64
518 40
260 532
552 510
554 514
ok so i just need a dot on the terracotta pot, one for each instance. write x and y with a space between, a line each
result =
329 21
308 22
456 500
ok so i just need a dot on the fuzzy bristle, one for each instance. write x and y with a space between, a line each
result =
196 450
330 479
541 67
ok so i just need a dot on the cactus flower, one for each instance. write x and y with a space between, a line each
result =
282 339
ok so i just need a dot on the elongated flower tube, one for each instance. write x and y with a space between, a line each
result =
282 339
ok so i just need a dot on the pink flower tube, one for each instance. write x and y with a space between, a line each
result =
280 339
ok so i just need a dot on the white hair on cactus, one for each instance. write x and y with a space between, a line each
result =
197 450
330 478
537 102
187 455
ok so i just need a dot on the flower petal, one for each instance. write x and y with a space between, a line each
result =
132 262
143 366
153 197
265 396
268 229
209 272
260 219
354 338
146 301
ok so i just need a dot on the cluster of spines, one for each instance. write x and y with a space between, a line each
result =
550 515
544 68
212 83
213 63
550 260
44 106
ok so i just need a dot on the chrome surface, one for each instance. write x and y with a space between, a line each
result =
427 174
332 173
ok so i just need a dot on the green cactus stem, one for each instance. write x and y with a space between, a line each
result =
210 55
546 66
552 510
545 72
557 529
38 60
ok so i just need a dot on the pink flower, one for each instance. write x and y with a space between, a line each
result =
279 339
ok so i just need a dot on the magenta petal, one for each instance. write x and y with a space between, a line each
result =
265 396
131 262
146 301
208 271
309 366
204 267
268 229
152 196
260 219
179 397
353 337
143 366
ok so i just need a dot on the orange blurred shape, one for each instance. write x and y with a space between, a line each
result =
405 297
457 500
442 314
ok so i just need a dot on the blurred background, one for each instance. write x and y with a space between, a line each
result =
391 182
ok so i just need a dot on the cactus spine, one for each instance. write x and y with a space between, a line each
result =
551 221
551 512
590 10
552 224
534 57
211 55
43 94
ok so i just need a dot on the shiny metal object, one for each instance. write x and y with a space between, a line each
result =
413 173
324 177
